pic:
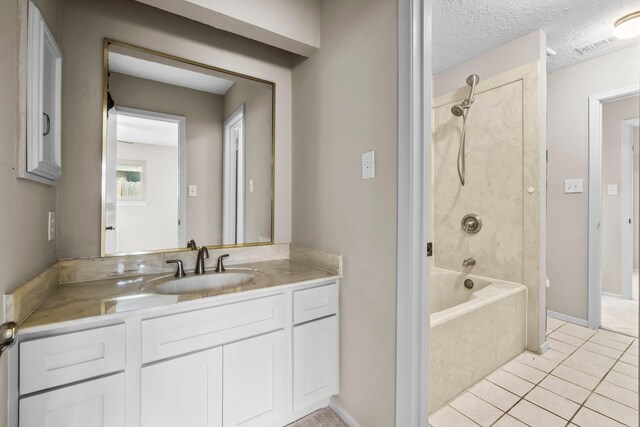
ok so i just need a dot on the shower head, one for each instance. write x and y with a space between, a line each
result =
457 110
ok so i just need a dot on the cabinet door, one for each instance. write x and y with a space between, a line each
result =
186 391
257 381
97 403
315 362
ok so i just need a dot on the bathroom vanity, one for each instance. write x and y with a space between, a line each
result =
111 353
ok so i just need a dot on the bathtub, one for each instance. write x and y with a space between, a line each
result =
472 331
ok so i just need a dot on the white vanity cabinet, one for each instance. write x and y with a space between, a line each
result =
315 345
260 360
257 381
95 403
183 391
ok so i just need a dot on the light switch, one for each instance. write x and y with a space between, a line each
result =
193 190
368 165
573 185
51 234
251 186
612 189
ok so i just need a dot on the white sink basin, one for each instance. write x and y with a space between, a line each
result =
197 284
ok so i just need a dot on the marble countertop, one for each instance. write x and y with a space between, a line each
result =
102 299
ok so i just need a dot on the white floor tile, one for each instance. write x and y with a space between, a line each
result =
576 331
508 421
627 369
588 418
607 342
560 346
510 382
595 358
449 417
629 358
535 416
537 361
569 339
615 336
622 380
496 395
612 409
601 349
617 393
552 402
586 367
576 377
476 409
565 388
554 323
525 372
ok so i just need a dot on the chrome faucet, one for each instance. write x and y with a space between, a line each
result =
468 262
203 253
220 266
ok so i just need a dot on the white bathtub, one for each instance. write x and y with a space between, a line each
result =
472 331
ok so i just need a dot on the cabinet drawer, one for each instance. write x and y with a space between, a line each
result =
313 303
62 359
196 330
98 402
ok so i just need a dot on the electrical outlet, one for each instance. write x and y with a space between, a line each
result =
368 165
51 234
573 185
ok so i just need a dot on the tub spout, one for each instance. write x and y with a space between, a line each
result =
469 262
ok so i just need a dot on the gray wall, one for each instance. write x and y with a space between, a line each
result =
204 113
257 98
25 204
86 24
345 103
613 113
568 144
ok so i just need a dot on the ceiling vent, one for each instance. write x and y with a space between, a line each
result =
596 45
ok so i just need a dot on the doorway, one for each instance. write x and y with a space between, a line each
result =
146 158
233 179
613 213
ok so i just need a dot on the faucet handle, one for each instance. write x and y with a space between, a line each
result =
220 267
180 272
191 244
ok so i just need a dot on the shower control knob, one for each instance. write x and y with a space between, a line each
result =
471 224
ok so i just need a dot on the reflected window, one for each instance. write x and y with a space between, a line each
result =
130 181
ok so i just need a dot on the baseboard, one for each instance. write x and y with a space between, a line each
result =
342 413
566 318
544 347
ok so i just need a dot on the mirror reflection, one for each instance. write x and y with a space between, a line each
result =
203 134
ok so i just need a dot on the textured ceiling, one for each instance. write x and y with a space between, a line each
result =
463 29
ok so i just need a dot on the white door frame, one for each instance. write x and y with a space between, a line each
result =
626 191
414 182
595 197
182 166
233 209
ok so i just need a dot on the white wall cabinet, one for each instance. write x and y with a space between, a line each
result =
244 361
96 403
315 362
44 95
257 381
186 391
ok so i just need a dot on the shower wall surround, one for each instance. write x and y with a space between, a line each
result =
502 180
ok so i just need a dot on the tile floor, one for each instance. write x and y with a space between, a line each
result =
587 378
621 315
